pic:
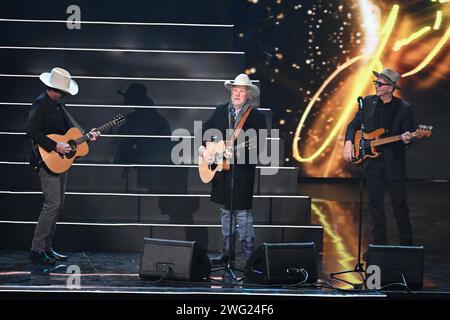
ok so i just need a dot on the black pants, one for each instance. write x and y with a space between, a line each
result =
53 188
378 182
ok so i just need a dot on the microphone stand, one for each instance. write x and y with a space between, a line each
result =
229 268
359 268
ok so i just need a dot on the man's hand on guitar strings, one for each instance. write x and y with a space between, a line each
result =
207 157
407 137
228 154
63 148
93 134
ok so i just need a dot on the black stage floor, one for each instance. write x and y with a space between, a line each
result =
335 206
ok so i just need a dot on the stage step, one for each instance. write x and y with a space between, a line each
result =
142 36
151 179
105 90
152 208
168 64
111 149
72 237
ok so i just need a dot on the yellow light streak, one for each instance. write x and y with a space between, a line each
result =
431 55
411 38
438 20
361 82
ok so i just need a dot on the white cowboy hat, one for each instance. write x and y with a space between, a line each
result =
243 80
59 79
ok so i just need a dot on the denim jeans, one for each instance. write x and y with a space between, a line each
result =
242 221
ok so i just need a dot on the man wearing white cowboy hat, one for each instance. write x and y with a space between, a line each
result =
237 111
384 110
49 116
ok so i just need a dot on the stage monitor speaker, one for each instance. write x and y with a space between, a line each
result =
173 260
279 263
397 260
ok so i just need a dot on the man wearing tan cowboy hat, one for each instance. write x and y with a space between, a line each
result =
49 116
384 110
225 116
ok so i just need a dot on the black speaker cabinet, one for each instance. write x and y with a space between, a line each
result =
279 263
397 260
176 260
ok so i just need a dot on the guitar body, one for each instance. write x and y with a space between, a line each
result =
60 163
208 171
368 151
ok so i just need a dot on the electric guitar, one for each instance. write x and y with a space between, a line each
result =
366 147
60 163
220 163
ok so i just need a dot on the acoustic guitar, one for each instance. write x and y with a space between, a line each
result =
220 163
60 163
366 147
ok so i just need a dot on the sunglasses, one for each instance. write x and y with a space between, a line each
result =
380 84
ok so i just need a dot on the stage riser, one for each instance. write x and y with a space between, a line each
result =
105 91
122 150
140 37
75 237
124 64
155 209
140 122
199 11
178 180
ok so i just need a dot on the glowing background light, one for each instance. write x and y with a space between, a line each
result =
391 41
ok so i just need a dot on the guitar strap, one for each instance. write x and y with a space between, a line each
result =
239 126
70 118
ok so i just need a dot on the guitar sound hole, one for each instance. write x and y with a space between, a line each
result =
212 166
73 147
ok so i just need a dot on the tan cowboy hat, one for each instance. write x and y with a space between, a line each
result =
389 75
243 80
59 79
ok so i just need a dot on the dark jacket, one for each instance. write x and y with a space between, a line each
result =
244 175
46 117
393 154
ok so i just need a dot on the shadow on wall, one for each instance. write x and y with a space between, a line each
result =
145 120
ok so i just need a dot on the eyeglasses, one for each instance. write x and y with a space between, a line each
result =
380 84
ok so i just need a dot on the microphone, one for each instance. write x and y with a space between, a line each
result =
233 116
233 112
360 102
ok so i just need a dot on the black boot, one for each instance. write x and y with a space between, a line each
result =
41 257
222 259
56 256
225 255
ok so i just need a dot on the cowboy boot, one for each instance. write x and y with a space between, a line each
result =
224 256
248 248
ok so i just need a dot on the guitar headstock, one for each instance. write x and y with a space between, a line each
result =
118 119
423 131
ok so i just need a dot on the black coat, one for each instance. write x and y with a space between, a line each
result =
393 154
46 117
244 175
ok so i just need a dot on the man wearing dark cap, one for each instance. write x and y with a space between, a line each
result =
384 110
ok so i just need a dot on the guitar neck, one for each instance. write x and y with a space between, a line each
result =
238 146
386 140
100 129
